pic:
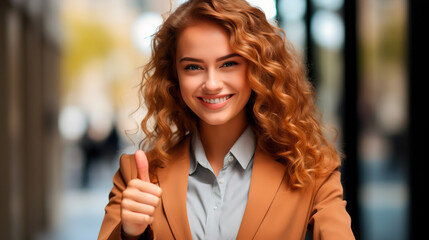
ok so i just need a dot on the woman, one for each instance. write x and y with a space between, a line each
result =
237 150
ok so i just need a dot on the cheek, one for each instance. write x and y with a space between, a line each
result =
242 75
243 84
186 89
183 89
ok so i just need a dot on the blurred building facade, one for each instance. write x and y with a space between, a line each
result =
29 96
69 72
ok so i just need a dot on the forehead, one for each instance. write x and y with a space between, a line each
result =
203 39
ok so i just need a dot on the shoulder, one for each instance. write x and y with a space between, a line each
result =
161 159
327 176
329 217
327 190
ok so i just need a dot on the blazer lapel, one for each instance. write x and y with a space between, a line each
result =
173 180
267 176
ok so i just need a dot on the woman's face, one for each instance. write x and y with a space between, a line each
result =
212 78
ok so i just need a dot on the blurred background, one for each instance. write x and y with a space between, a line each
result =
69 72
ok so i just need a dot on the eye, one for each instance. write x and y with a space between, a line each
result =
192 67
229 64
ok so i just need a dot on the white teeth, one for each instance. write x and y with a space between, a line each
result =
216 100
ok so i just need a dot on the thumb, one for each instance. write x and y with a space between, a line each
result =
142 166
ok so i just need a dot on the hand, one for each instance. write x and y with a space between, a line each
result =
139 199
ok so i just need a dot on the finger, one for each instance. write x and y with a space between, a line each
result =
141 197
138 207
136 218
146 187
142 166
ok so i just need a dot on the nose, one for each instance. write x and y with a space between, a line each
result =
213 83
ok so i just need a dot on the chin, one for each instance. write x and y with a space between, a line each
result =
214 120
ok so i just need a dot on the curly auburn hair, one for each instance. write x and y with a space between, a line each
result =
281 109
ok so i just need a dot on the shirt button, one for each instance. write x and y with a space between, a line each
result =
215 207
230 158
221 181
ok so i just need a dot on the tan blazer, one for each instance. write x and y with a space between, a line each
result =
273 211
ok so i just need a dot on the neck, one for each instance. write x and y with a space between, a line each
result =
217 140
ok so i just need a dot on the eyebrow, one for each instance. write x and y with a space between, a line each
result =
217 60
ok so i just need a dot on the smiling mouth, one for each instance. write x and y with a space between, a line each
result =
215 100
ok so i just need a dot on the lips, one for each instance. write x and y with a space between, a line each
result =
215 102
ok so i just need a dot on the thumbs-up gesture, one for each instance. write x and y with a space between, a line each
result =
139 199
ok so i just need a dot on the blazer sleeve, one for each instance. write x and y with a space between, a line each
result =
111 228
329 218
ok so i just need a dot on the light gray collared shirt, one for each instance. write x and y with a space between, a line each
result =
216 206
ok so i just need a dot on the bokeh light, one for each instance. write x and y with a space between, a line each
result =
143 29
327 29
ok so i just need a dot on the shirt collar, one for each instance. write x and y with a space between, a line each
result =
242 150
